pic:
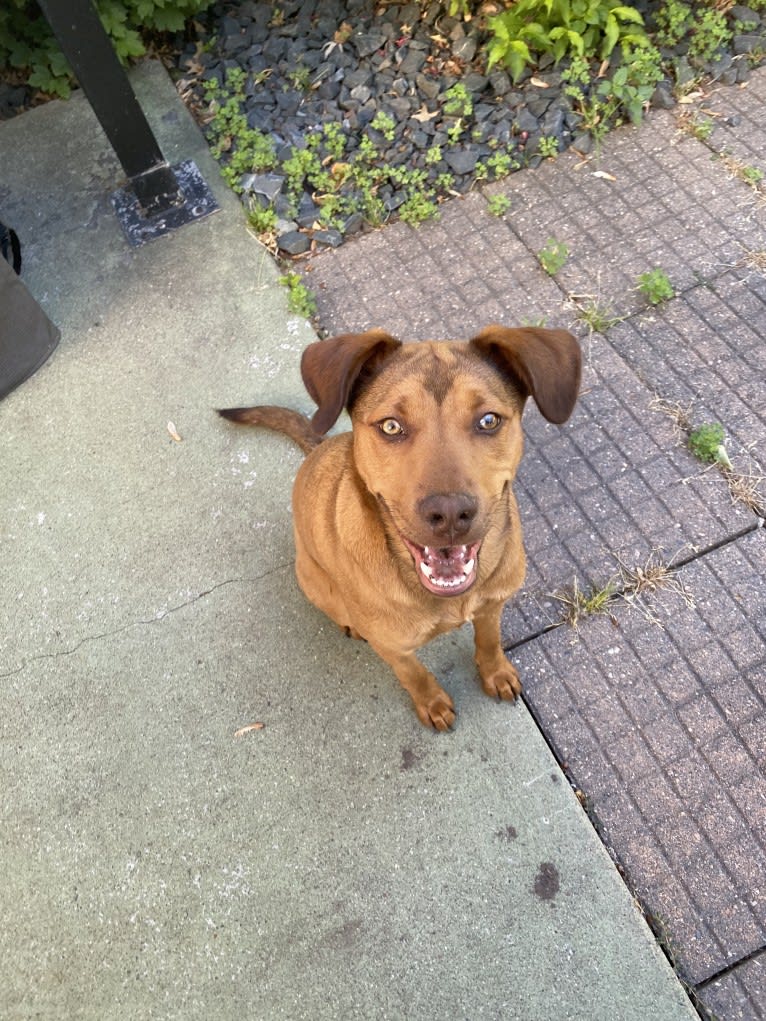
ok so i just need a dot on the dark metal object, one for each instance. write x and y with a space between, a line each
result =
27 336
197 201
159 194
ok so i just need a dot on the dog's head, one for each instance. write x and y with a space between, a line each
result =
437 430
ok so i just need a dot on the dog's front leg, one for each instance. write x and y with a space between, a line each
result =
432 703
498 676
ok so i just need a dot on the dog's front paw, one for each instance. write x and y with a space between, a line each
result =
437 712
502 683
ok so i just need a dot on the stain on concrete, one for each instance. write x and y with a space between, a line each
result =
509 833
547 881
346 936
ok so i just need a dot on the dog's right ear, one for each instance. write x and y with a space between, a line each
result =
331 367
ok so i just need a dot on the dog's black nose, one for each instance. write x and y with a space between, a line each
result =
448 515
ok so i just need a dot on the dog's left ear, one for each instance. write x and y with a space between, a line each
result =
331 367
544 364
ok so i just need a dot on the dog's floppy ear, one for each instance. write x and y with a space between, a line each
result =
331 367
545 364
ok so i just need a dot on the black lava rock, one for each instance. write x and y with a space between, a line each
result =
294 243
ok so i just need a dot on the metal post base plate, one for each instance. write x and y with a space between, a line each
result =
198 202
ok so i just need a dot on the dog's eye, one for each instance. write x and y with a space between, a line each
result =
390 427
489 423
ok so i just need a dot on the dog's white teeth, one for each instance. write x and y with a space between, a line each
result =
446 582
426 570
468 567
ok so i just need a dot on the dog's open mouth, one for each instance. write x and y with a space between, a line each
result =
445 571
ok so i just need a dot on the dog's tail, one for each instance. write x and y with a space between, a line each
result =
282 420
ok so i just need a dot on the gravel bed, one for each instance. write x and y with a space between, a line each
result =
346 62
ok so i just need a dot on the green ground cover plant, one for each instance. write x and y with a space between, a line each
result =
562 28
703 26
706 442
610 100
655 286
341 186
27 42
300 300
549 147
553 256
498 205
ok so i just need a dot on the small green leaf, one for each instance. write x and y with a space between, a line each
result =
722 457
627 14
611 35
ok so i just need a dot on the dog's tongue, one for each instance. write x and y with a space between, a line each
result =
447 571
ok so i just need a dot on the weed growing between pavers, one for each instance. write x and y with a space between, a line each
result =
677 413
706 442
596 316
756 260
701 129
747 487
648 579
655 286
498 205
746 484
578 605
553 256
752 176
631 584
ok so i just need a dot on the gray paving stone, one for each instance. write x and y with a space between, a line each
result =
648 201
736 116
666 740
740 995
613 484
443 280
706 350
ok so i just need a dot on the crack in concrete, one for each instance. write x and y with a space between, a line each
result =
141 623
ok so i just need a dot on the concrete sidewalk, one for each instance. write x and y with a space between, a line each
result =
342 862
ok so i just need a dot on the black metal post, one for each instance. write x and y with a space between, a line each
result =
158 198
97 68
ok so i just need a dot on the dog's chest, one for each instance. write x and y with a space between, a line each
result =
449 614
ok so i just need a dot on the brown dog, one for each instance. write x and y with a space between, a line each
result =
407 526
